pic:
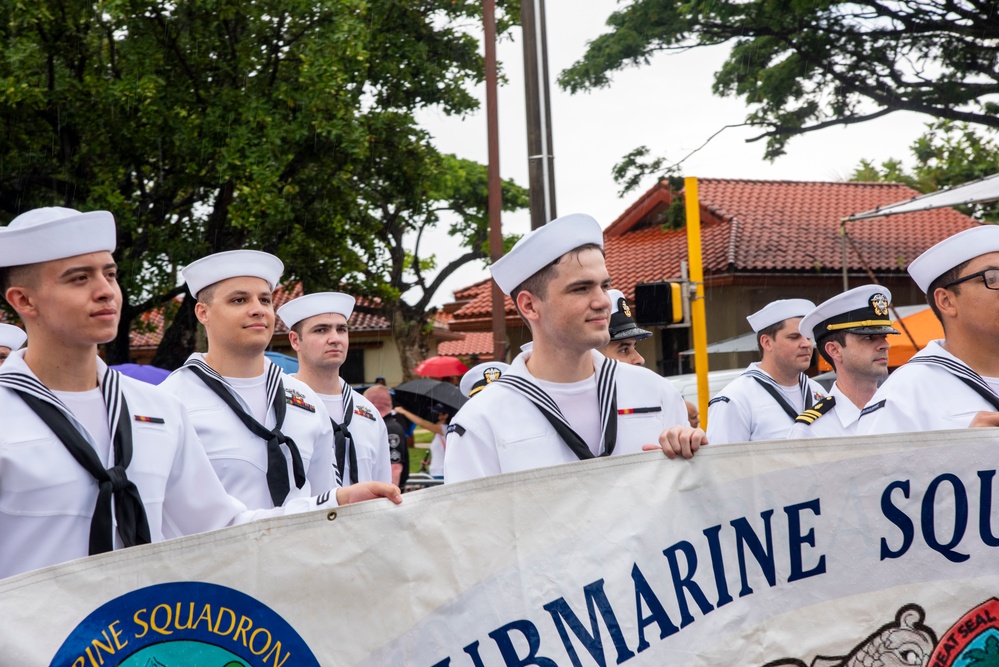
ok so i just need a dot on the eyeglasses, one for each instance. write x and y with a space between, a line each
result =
989 276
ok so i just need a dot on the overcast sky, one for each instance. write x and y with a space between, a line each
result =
667 106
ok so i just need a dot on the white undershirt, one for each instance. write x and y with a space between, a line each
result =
254 392
793 396
334 406
993 384
89 409
578 403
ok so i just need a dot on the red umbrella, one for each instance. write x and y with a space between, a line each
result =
440 367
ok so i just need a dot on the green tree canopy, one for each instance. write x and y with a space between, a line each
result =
802 66
947 154
217 124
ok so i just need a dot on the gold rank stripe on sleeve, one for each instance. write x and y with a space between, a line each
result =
808 416
816 411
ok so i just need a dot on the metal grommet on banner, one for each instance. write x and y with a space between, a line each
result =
331 515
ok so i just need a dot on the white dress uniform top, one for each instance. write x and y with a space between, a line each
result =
744 410
240 457
367 443
369 435
933 391
502 431
828 418
47 499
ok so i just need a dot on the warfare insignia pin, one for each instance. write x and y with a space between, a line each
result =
363 411
297 399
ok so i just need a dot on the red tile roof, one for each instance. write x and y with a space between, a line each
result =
147 329
760 226
788 226
474 342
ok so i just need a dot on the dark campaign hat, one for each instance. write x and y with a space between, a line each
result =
622 323
862 310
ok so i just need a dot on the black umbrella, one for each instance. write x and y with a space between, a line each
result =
419 397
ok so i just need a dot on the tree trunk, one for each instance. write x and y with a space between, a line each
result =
180 338
409 333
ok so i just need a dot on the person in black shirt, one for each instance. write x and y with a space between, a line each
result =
397 438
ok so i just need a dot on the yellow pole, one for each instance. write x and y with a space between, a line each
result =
698 322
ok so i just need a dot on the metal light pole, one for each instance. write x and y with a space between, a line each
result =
540 155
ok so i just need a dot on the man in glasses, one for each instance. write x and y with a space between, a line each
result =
954 382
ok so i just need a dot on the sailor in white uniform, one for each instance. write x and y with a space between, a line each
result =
319 334
851 333
954 382
268 435
563 401
763 402
90 460
11 339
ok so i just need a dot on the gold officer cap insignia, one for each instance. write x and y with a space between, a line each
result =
879 302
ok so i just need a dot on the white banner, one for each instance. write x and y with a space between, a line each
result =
839 552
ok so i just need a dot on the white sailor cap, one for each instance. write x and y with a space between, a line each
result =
477 377
862 310
540 247
46 234
622 322
952 251
319 303
232 264
12 337
778 311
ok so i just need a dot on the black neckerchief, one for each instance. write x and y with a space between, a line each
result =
606 401
343 442
113 483
772 388
963 373
277 467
